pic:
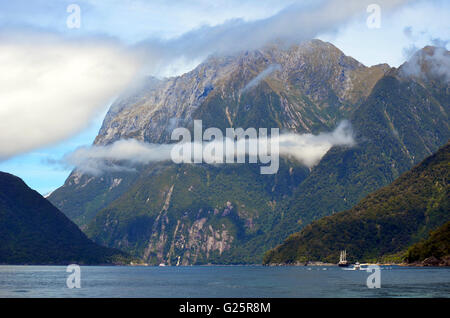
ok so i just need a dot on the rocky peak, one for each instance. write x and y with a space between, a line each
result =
430 64
316 69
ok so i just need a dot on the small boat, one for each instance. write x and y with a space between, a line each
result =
343 259
363 267
162 264
357 266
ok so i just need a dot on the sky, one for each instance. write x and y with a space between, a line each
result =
58 77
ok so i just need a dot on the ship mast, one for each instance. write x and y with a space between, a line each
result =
343 258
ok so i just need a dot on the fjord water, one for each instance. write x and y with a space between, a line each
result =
222 281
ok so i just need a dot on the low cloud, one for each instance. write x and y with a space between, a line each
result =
308 149
418 39
120 155
256 80
429 63
51 88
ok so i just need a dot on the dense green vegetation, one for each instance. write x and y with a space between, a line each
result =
384 223
198 192
279 205
397 122
392 135
33 231
437 245
81 204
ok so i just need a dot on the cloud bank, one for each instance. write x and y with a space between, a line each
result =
51 88
308 149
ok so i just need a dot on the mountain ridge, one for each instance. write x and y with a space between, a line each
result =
166 109
33 231
384 223
227 215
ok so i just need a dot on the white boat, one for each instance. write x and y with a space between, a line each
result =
363 267
162 264
357 266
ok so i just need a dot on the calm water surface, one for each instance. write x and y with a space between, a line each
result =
222 281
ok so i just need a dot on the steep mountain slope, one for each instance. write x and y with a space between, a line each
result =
33 231
399 124
231 213
435 250
314 86
307 88
385 222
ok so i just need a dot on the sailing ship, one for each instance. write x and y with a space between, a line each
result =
343 259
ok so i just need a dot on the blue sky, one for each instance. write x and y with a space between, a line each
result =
37 169
165 38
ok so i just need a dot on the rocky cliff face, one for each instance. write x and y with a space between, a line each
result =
232 214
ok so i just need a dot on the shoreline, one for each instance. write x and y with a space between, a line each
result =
234 265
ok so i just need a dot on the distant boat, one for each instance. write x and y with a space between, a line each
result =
363 267
162 264
343 259
357 266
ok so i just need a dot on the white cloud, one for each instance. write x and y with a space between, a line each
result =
51 88
430 63
292 25
423 21
307 149
96 159
258 78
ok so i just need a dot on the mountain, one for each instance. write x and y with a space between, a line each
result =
400 123
232 213
384 223
33 231
314 88
434 251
